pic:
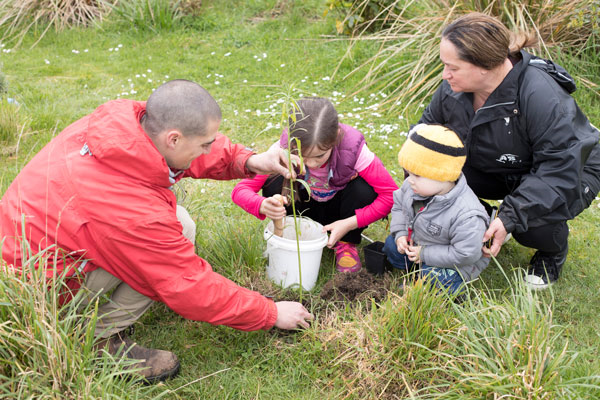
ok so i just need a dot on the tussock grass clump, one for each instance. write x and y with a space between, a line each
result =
510 348
422 345
407 68
10 122
149 15
46 350
388 352
17 17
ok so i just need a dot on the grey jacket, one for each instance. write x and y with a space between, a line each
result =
450 228
531 132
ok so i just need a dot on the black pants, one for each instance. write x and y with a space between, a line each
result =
357 194
551 238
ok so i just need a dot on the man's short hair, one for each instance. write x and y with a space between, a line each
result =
181 105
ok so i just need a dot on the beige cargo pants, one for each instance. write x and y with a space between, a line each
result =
125 305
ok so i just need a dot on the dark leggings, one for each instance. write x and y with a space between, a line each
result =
550 238
357 194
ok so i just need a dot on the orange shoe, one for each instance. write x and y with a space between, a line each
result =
347 258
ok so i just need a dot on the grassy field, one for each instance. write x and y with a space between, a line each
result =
415 344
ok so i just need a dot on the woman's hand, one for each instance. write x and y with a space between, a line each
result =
338 229
498 233
272 208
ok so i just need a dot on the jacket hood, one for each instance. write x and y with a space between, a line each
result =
115 137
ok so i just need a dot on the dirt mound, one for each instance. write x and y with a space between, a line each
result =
355 286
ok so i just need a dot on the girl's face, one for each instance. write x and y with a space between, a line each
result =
461 75
426 187
314 157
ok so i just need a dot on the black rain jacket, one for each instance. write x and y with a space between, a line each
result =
529 130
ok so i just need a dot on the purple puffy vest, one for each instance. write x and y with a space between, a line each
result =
343 156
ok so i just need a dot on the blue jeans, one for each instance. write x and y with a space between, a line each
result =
443 278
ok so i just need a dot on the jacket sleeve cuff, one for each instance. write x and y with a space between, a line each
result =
271 315
400 234
243 159
508 224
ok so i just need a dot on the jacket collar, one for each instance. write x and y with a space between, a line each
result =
506 92
115 137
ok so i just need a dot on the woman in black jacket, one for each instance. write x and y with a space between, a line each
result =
527 141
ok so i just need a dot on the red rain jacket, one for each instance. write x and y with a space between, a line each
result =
99 191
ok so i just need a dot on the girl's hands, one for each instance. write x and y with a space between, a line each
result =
272 208
338 229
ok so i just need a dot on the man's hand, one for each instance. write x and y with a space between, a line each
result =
272 161
290 315
498 232
338 229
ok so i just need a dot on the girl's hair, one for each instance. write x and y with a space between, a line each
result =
484 41
316 123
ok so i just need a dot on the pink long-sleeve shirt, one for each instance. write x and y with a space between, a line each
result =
369 167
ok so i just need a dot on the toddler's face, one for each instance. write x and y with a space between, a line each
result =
314 157
426 187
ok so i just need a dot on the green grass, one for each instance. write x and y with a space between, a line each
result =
413 343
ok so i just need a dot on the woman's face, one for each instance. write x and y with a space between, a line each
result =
461 75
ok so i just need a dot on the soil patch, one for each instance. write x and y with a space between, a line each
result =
356 286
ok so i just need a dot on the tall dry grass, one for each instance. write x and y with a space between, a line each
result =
17 17
47 349
406 66
421 345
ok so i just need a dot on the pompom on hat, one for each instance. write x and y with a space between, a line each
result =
434 152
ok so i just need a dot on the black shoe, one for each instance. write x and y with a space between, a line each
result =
545 269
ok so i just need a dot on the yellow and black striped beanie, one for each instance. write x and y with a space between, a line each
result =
434 152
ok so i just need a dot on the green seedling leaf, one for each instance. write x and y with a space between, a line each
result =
305 184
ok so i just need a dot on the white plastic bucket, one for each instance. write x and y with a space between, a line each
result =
283 253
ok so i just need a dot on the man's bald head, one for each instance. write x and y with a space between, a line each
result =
180 105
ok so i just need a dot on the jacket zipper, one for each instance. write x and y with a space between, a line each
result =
412 223
494 105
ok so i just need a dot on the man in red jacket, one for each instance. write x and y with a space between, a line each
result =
97 201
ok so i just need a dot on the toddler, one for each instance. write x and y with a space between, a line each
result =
437 221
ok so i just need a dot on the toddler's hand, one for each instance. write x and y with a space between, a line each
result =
402 243
414 254
272 208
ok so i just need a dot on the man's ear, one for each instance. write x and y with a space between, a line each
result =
172 138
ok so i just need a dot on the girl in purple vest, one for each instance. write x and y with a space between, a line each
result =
350 187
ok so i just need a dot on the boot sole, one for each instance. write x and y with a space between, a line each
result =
162 377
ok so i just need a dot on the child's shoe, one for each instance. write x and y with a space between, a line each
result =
347 258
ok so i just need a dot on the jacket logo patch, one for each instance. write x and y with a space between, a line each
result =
508 158
433 229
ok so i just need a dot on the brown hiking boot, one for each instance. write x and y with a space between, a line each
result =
152 366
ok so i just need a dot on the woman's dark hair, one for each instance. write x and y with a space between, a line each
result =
484 41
